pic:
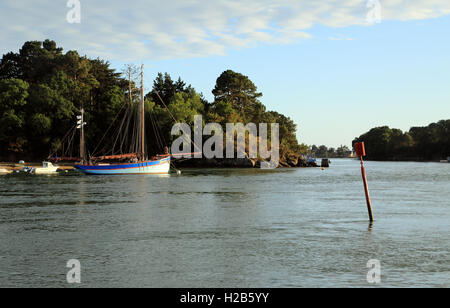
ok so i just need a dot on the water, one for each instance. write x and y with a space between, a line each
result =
229 228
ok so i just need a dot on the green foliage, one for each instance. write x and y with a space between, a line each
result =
324 152
236 99
40 124
241 93
13 95
42 89
420 143
183 106
164 88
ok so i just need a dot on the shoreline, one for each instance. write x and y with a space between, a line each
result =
238 163
10 166
221 163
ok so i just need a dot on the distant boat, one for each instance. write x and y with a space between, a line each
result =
137 163
47 168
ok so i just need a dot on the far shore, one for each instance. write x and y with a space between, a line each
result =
14 166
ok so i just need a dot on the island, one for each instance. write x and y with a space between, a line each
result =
43 89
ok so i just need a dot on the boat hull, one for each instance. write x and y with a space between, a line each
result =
161 166
52 170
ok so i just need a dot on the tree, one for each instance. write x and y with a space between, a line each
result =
377 140
163 88
13 94
332 152
43 88
420 143
10 66
343 151
241 92
322 151
39 104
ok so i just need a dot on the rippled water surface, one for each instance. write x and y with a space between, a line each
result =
229 228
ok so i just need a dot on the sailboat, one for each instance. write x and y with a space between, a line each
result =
138 162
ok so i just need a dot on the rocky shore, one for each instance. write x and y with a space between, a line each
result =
240 163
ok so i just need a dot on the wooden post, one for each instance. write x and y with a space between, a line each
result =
360 151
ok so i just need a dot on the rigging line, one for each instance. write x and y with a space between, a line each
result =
133 145
125 123
136 131
115 118
156 132
125 119
128 130
62 141
145 146
118 132
158 138
126 136
195 146
70 148
69 142
125 133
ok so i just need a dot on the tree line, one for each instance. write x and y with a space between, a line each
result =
42 90
427 143
323 151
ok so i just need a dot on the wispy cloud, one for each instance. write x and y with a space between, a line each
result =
341 39
149 30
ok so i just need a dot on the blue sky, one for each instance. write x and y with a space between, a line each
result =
318 62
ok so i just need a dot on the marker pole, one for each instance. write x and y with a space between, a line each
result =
366 189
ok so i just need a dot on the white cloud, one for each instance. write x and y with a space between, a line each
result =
341 39
148 30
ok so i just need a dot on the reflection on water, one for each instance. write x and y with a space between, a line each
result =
229 227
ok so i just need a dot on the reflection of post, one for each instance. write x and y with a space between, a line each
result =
360 151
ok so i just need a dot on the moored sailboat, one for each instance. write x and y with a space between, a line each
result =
137 163
159 166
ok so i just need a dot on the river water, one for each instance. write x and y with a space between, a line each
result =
229 228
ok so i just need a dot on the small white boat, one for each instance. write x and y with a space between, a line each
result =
47 168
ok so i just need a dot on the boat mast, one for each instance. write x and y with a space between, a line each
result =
142 115
80 125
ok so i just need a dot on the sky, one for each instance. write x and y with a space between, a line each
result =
337 68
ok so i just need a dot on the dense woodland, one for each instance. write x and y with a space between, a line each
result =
42 90
420 143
